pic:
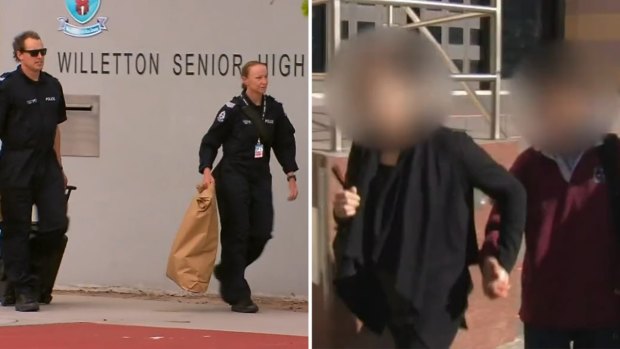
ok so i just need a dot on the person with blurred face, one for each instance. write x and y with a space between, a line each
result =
32 104
247 127
405 215
567 103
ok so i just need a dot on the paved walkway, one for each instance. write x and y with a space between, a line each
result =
515 344
71 309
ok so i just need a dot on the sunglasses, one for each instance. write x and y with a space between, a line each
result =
36 53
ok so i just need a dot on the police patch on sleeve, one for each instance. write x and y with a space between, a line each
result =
221 116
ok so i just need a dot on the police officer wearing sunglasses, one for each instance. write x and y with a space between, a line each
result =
32 105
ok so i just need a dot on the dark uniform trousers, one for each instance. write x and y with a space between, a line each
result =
46 191
246 211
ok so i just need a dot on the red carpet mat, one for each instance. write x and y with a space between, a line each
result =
96 336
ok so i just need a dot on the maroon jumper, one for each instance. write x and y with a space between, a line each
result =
571 245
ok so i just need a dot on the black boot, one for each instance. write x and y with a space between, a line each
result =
246 306
8 299
48 250
26 303
45 299
7 291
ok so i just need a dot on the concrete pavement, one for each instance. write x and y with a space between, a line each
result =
168 314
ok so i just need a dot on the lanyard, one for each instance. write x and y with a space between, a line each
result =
264 109
264 106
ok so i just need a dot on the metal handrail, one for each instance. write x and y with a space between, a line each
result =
418 3
445 19
453 68
494 12
456 77
427 4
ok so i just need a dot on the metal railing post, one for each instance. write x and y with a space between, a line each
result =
334 36
496 68
323 238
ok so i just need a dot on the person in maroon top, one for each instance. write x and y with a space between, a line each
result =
571 243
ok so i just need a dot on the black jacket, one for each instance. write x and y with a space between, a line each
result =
233 130
434 215
30 112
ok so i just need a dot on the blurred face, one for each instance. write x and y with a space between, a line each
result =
32 57
387 89
257 80
384 107
385 101
564 111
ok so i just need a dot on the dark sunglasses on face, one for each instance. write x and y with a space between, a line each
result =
35 53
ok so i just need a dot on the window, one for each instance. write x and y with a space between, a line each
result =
458 63
364 26
474 67
455 36
344 30
436 31
417 11
319 39
474 37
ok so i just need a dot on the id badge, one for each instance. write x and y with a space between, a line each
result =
258 151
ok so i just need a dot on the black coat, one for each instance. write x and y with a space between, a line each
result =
30 112
433 213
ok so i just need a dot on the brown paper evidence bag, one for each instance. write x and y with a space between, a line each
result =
193 253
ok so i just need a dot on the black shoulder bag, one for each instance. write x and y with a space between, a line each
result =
608 154
265 137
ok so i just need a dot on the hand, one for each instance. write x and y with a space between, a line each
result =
346 203
207 178
495 280
65 179
293 191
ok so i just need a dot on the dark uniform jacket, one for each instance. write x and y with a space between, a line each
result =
30 112
238 135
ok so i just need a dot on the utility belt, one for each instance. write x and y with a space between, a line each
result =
250 168
38 144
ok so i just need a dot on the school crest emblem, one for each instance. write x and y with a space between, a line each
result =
599 175
82 11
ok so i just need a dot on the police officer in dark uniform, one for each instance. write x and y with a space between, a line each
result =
247 127
32 105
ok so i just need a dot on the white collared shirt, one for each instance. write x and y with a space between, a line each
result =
567 164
